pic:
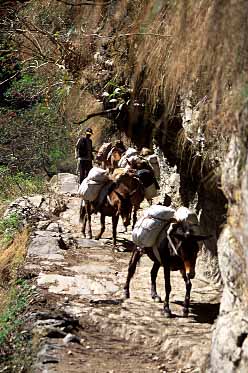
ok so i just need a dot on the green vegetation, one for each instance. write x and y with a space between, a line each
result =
34 132
14 341
8 227
14 184
15 296
116 94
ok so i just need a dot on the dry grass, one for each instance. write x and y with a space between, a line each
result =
207 52
12 257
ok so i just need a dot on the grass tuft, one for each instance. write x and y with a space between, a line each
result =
14 342
12 257
15 295
9 226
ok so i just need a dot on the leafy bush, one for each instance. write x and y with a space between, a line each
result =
14 184
25 91
8 227
13 343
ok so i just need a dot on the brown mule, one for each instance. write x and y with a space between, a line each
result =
116 203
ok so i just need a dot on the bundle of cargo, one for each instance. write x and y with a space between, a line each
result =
93 183
151 192
189 216
131 152
153 160
149 182
149 226
104 151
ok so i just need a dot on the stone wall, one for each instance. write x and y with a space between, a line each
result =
230 342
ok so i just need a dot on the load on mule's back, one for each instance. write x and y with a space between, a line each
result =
103 153
152 159
146 174
110 154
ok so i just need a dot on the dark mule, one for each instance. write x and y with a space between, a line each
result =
138 194
146 175
177 252
117 202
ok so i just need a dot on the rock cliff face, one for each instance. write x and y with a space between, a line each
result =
230 343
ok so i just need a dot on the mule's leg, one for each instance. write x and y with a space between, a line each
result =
88 218
164 254
134 216
102 227
187 294
83 217
136 255
125 225
154 272
115 219
167 310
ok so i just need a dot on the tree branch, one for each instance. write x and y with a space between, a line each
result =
104 112
12 77
43 32
128 34
106 2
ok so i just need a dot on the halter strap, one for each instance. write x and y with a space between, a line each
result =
171 226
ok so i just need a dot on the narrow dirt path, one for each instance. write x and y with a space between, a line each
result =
81 323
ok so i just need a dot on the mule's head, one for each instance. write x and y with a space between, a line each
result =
188 251
116 154
185 242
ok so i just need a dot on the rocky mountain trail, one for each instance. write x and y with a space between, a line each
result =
78 318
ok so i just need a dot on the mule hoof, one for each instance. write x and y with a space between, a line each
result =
97 238
167 313
157 299
126 294
185 312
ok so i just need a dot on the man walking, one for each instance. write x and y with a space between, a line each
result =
84 154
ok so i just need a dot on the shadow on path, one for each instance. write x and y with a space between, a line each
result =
204 313
106 302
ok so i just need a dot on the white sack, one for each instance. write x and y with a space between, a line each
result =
93 183
150 225
98 174
129 153
184 214
159 212
89 189
153 159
